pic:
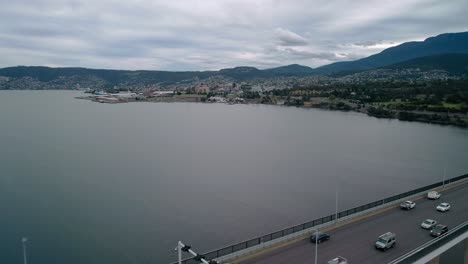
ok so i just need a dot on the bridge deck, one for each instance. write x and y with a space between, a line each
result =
355 241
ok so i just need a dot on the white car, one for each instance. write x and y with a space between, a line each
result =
428 224
407 205
443 207
338 260
433 195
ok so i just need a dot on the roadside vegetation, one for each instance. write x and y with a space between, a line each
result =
441 101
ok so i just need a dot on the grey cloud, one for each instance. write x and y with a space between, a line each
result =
304 54
368 43
289 38
213 34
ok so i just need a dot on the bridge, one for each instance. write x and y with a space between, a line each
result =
354 232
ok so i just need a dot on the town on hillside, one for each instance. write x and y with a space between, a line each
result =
433 97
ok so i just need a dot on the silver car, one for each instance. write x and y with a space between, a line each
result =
443 207
386 241
428 223
338 260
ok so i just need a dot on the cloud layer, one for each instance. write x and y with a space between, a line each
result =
214 34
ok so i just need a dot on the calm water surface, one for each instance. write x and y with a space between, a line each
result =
98 183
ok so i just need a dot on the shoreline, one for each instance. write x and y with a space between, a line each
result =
444 119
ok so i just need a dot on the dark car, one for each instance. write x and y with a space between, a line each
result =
319 237
439 230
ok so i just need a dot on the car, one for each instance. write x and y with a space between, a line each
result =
439 230
433 195
428 224
319 237
407 205
338 260
443 207
386 241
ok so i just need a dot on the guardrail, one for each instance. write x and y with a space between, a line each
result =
430 246
301 228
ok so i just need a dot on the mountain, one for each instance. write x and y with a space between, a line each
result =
242 73
447 52
454 63
45 74
291 70
44 77
444 43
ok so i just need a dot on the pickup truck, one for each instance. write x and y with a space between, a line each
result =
407 205
433 195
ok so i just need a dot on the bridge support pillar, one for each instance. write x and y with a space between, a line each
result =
434 260
465 252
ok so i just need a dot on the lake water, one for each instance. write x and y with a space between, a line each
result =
99 183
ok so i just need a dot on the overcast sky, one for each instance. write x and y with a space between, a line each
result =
214 34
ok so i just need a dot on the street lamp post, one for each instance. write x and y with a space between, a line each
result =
336 206
25 258
443 181
179 251
316 244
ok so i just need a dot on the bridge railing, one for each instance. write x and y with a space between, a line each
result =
315 223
